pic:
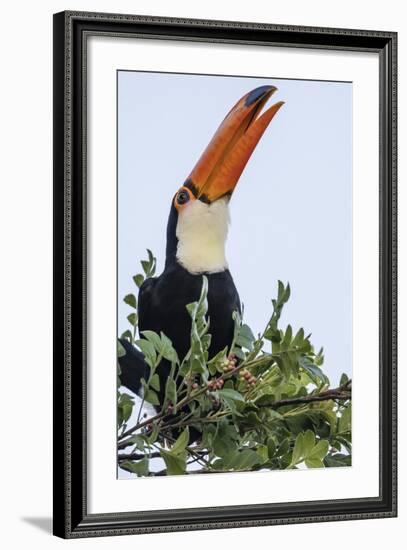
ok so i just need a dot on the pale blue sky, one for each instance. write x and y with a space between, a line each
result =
291 211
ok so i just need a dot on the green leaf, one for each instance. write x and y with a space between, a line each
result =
132 319
148 350
151 397
175 464
245 337
320 450
171 391
155 382
226 439
254 419
281 291
231 394
127 335
167 349
262 451
344 379
313 371
149 265
127 409
244 460
152 438
344 424
283 447
153 338
308 442
138 279
181 442
287 293
222 447
124 408
271 447
138 441
215 364
130 299
298 450
139 467
146 266
338 460
197 356
319 358
299 338
314 463
287 337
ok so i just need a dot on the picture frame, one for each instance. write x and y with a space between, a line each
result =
72 516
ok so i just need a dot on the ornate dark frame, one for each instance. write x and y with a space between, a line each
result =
71 518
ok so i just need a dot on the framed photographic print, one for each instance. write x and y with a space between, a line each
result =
225 274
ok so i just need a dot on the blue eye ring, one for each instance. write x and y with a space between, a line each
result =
183 197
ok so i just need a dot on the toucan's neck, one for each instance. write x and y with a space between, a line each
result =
172 241
196 237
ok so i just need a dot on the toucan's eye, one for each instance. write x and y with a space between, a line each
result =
182 197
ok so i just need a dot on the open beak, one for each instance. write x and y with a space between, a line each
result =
221 164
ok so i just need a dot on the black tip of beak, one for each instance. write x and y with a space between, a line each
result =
258 93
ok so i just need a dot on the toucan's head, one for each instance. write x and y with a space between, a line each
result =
199 217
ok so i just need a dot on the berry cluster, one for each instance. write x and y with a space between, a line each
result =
214 385
229 363
246 376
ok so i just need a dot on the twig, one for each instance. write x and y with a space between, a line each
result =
202 453
140 409
137 456
341 393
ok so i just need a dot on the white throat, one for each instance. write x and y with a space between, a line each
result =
201 231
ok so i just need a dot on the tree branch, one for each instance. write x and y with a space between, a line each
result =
341 393
137 456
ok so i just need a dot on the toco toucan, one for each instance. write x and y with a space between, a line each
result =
196 234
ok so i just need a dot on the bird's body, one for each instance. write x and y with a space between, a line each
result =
162 302
196 236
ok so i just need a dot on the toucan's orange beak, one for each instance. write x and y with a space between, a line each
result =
221 164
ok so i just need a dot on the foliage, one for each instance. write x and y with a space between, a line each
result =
263 404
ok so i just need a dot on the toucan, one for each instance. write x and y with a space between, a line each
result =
196 235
